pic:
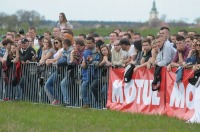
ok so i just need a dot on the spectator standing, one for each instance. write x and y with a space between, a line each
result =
164 57
62 21
88 56
117 58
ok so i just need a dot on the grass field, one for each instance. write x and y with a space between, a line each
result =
24 116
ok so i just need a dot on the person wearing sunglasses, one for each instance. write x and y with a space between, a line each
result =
58 51
195 59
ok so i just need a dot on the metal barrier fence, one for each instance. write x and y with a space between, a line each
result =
42 84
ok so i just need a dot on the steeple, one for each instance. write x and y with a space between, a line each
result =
153 13
154 20
153 9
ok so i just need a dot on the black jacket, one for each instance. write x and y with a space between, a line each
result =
27 54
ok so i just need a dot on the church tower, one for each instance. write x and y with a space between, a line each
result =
153 15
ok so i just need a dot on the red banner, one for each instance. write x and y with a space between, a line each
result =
180 100
179 97
137 95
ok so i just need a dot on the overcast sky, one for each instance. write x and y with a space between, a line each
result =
106 10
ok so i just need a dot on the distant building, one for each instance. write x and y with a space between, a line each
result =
154 20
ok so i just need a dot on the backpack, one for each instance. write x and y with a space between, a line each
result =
128 73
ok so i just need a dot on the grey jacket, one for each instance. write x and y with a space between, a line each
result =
165 55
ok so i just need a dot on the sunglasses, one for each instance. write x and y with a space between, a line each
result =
55 42
198 45
116 45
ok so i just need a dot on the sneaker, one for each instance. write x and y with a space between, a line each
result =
6 99
86 106
66 104
197 83
41 81
55 102
155 87
193 80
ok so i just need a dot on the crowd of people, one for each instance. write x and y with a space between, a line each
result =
125 49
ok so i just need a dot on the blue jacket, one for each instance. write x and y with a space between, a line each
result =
88 72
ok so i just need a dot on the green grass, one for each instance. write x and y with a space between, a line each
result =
23 117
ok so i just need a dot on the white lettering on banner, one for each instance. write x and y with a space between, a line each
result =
130 92
146 93
155 98
117 93
133 88
179 96
190 89
139 84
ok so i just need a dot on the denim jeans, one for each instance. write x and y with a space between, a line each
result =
95 89
104 92
49 86
18 93
65 89
179 74
85 92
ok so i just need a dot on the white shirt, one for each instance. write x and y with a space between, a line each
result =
36 44
57 53
128 53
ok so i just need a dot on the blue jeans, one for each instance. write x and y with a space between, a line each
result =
28 87
99 93
85 92
95 90
65 89
18 92
104 92
49 86
179 74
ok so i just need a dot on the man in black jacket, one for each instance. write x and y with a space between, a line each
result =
26 52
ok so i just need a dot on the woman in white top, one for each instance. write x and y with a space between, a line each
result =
62 21
47 51
58 48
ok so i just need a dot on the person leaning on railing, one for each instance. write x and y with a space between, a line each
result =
146 53
117 58
154 53
163 58
180 57
58 51
96 77
195 59
27 54
47 51
11 57
88 56
105 62
76 57
67 48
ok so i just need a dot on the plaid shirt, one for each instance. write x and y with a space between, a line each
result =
2 51
78 57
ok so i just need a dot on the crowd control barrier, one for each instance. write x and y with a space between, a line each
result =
33 78
179 100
